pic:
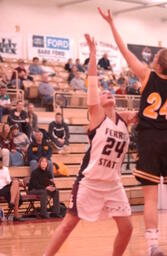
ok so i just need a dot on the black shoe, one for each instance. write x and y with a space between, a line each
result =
44 216
156 252
18 219
56 215
11 205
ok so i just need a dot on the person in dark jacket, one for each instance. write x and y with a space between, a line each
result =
19 116
68 65
104 62
42 183
37 149
59 133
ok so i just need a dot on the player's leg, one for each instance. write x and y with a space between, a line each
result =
62 232
117 206
151 219
148 173
125 228
150 206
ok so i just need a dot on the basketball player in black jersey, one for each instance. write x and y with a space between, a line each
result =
152 132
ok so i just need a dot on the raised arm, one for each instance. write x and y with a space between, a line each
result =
93 98
133 62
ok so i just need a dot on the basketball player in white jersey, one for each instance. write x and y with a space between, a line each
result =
98 192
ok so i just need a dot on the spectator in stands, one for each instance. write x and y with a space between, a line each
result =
121 78
77 83
80 68
72 73
33 119
3 77
6 144
48 69
5 103
5 155
1 59
21 143
59 133
104 62
46 91
22 75
131 78
68 66
86 62
111 85
134 89
10 190
37 149
34 68
42 183
20 68
122 90
19 116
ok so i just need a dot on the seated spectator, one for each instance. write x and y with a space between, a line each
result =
86 62
44 133
104 62
47 69
68 66
121 78
34 68
5 104
19 116
134 89
77 83
72 73
22 75
33 119
1 59
10 190
37 149
132 78
122 90
42 183
19 68
80 68
3 78
6 145
21 143
46 91
59 133
111 85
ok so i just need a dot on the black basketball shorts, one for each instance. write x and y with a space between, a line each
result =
152 162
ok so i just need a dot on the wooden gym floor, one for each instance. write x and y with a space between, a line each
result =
88 239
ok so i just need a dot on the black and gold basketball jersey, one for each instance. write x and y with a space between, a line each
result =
153 104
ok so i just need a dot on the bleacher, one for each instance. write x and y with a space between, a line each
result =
74 110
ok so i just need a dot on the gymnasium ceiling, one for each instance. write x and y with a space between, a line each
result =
141 8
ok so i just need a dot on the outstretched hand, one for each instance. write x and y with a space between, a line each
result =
91 43
107 17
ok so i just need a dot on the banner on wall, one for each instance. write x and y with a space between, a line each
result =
10 46
50 47
101 48
144 53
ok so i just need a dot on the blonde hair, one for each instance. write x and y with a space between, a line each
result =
162 60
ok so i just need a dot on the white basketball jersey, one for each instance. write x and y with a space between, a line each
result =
108 145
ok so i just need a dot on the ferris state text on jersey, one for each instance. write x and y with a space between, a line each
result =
115 141
108 145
